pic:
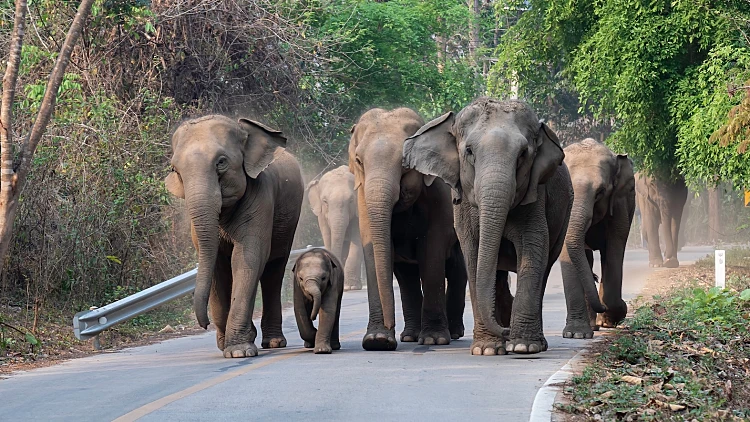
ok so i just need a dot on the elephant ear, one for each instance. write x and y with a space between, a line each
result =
549 156
260 146
354 167
337 273
174 184
432 151
313 195
624 180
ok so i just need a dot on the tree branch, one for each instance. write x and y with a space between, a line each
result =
6 110
50 93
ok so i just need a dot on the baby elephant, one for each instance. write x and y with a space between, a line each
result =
318 286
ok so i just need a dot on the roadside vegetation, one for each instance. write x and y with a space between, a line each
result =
683 355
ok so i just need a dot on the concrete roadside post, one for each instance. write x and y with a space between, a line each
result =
720 268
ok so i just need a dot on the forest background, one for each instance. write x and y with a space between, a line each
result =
665 81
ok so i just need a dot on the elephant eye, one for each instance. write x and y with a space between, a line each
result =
358 161
469 151
222 164
174 170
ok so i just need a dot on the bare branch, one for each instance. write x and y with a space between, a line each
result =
50 93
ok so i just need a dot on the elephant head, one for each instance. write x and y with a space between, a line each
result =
333 200
601 181
313 273
375 156
494 155
214 159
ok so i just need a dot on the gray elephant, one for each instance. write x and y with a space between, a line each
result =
318 287
661 202
334 202
603 208
406 223
513 197
243 193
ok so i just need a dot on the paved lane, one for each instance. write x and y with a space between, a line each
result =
187 379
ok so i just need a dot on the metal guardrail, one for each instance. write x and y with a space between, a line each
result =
88 324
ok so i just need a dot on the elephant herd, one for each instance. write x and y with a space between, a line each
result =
509 198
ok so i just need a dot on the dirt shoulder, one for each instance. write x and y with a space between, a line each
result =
52 340
682 354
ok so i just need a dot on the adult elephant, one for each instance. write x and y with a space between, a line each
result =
406 225
243 193
603 208
661 202
334 201
513 196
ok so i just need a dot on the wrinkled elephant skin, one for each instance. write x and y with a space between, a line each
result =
406 225
334 201
661 202
318 289
513 197
243 194
604 189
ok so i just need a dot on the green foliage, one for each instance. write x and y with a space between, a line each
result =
658 68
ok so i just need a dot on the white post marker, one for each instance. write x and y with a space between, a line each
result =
720 266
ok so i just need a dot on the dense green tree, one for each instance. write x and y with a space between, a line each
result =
659 69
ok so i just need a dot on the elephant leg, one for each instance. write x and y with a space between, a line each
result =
592 314
432 272
270 323
411 299
240 332
302 311
328 318
611 285
335 340
577 323
220 298
467 227
671 229
353 266
651 221
455 295
503 298
526 335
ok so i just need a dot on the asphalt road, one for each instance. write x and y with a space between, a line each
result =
186 379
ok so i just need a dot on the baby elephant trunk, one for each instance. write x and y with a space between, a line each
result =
311 286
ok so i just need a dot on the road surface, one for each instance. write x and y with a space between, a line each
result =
186 379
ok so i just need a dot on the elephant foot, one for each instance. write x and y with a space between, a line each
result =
578 329
655 263
356 285
410 335
525 346
323 349
379 340
242 350
614 315
273 342
456 329
671 263
488 346
435 337
309 345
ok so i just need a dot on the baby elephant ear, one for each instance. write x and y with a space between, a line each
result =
549 156
432 151
260 146
313 195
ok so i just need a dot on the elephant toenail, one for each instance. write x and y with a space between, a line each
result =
443 341
489 351
534 348
520 348
578 335
477 351
428 341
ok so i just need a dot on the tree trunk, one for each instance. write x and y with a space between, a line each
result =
13 177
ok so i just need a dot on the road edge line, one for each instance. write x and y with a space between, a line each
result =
544 401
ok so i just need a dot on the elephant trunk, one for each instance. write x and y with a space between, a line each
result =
580 221
204 207
338 222
382 194
311 286
496 195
